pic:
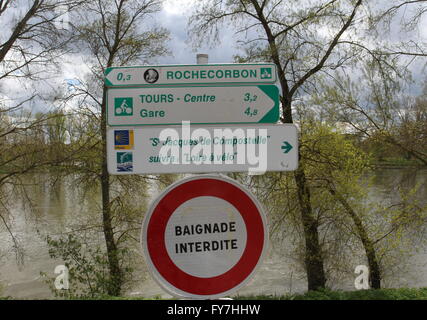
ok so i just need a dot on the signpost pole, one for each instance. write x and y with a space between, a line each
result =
202 58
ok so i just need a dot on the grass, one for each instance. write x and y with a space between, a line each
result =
381 294
326 294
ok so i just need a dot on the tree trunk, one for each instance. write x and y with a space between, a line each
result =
115 284
313 254
316 277
368 245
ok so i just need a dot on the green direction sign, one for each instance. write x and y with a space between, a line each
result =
197 104
152 76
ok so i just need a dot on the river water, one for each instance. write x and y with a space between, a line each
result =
57 211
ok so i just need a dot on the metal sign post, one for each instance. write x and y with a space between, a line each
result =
204 236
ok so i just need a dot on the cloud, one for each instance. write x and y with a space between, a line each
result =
174 17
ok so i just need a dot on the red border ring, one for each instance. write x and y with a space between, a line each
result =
166 206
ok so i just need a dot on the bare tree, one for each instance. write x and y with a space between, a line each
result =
30 44
291 34
113 33
35 38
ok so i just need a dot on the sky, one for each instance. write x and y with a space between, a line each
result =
174 17
175 14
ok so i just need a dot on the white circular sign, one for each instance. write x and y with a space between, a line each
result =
209 230
204 236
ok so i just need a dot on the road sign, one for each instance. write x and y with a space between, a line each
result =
195 149
200 105
190 74
204 237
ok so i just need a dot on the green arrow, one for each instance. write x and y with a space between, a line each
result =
286 147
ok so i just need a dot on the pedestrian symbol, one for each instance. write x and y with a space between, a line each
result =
123 107
266 73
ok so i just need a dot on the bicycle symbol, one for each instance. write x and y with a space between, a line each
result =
124 108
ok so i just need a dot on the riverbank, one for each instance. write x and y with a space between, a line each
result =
380 294
397 163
